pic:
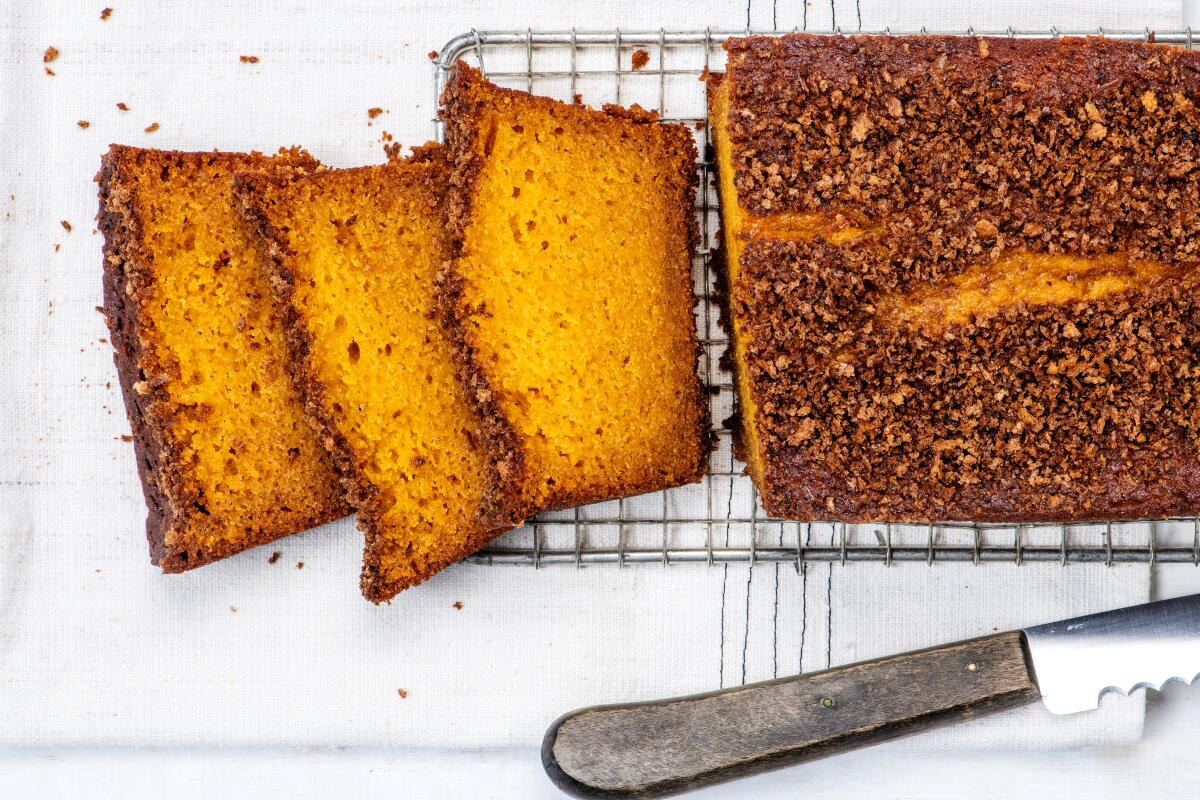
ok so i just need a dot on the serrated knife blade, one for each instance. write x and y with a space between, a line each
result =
1075 661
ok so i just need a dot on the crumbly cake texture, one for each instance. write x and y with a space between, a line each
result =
569 300
226 458
353 257
960 275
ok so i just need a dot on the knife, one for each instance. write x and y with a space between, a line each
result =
666 747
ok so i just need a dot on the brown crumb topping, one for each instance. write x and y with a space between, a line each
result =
372 113
1074 145
639 59
997 418
949 152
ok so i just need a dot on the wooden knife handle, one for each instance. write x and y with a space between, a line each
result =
671 746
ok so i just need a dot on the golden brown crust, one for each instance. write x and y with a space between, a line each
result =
951 152
466 98
145 375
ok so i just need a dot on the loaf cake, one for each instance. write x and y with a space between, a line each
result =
353 256
226 457
960 275
569 299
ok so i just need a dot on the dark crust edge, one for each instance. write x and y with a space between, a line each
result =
123 257
360 491
722 291
126 272
689 185
503 504
459 115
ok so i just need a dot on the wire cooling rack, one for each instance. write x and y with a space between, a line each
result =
721 520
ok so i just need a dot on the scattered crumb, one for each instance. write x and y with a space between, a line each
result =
57 247
83 123
248 59
66 225
97 569
577 99
458 605
700 125
100 309
386 137
274 557
402 692
152 127
233 609
372 113
299 565
50 72
50 55
125 437
122 106
105 13
393 152
433 54
640 59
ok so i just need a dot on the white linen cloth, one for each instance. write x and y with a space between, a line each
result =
96 647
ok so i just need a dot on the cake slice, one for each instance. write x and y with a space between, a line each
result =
961 275
226 457
569 299
353 256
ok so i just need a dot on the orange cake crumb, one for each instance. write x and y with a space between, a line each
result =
226 456
354 255
570 298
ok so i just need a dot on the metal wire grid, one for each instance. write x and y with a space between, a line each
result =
721 520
